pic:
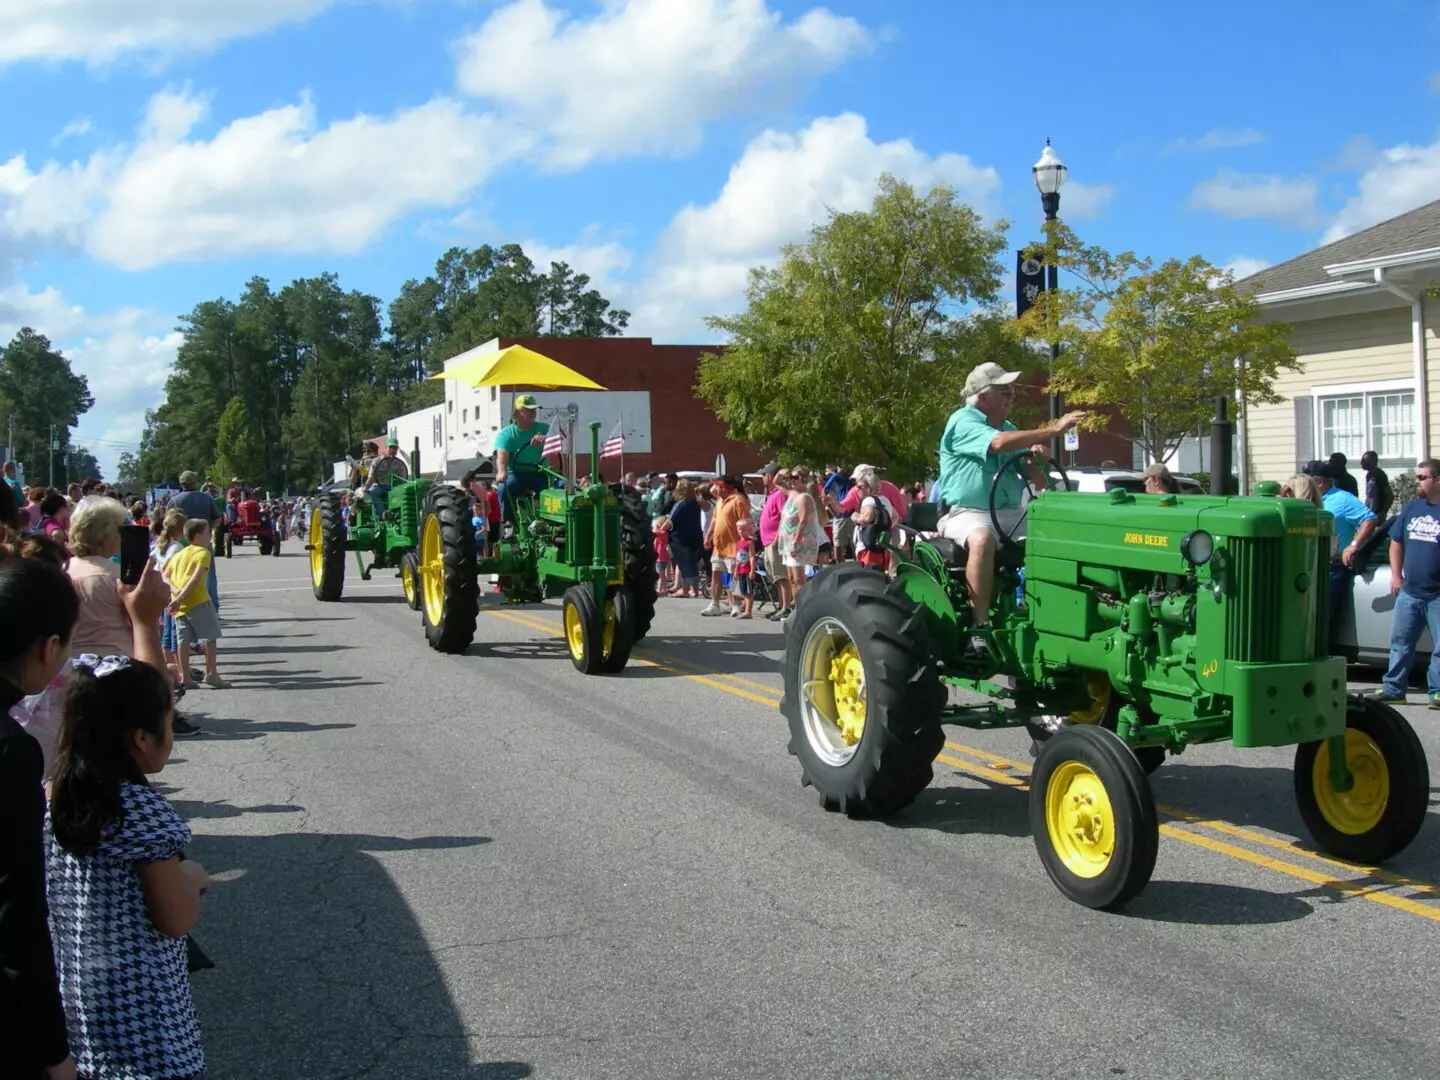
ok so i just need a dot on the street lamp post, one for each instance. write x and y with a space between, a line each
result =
1049 173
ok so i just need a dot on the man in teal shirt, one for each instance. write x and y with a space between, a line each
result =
517 454
979 438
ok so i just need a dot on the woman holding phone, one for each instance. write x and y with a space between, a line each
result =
104 625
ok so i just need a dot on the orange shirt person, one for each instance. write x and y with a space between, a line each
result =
723 536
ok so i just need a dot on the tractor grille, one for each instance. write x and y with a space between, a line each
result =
1252 627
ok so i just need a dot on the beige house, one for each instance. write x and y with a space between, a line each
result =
1366 338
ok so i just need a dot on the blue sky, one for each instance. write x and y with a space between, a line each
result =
157 153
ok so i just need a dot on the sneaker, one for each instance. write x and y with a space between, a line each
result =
734 613
776 615
215 682
712 609
977 645
1381 694
183 726
1435 701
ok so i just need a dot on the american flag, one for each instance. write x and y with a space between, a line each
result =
615 444
554 443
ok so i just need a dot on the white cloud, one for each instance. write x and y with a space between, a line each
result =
645 76
1085 201
73 130
604 260
97 31
1234 195
125 356
1244 265
274 182
1218 139
1357 154
1398 179
782 185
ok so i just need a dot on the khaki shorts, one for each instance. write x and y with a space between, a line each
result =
958 525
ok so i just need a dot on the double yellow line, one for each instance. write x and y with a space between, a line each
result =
1373 884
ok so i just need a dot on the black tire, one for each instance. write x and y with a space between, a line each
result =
583 628
265 545
637 547
1123 853
890 764
618 655
410 579
1381 825
275 547
327 566
450 624
227 543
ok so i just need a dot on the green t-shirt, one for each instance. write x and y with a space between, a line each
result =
523 456
968 468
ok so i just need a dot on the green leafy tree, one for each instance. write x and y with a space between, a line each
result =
1157 344
856 346
82 464
39 392
127 471
239 450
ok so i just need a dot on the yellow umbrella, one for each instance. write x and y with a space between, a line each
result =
518 366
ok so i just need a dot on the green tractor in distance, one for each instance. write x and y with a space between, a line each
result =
389 541
593 546
1126 627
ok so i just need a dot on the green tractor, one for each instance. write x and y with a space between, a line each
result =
388 541
1124 628
592 546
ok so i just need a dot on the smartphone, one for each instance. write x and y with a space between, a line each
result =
134 551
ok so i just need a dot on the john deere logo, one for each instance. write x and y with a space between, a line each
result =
1159 540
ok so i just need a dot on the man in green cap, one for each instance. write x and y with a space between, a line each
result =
388 467
518 453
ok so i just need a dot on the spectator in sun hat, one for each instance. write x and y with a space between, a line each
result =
1159 481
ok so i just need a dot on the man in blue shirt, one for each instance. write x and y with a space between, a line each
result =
1354 524
1415 584
978 440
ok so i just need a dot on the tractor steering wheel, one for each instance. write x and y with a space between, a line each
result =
1055 480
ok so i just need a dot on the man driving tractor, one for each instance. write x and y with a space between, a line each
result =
383 472
518 454
979 440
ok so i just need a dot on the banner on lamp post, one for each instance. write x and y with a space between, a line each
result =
1029 282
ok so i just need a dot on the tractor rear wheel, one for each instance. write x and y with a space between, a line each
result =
449 583
1385 806
637 549
1093 817
327 548
410 580
863 695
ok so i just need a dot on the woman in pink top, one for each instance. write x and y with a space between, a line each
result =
104 626
55 519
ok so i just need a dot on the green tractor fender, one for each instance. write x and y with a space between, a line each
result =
921 580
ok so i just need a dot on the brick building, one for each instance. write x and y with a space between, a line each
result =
649 389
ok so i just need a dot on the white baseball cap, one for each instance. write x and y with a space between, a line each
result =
987 375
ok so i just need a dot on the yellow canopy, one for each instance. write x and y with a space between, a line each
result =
518 366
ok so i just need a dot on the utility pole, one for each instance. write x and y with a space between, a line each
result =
54 446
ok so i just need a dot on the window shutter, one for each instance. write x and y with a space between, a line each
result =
1304 430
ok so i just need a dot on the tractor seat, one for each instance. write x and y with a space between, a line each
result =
952 551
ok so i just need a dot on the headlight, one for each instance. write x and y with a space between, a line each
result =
1197 547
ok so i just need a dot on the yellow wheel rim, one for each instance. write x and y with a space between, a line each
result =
574 632
847 682
1357 811
607 637
317 549
1079 819
407 582
1097 685
432 570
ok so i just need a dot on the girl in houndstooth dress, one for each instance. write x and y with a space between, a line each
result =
121 899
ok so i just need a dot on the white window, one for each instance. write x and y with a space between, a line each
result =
1379 420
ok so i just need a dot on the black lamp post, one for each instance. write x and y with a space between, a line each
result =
1049 173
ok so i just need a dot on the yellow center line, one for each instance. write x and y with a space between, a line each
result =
1003 770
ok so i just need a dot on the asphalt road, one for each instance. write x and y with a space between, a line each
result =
489 866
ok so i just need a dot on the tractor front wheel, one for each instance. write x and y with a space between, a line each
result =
410 580
327 548
1386 802
265 544
449 582
1093 817
863 696
599 641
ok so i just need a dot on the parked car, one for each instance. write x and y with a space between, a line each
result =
1367 628
1091 478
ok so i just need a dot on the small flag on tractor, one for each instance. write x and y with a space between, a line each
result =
615 444
554 443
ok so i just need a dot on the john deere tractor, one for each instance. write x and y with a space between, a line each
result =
592 546
1124 628
388 541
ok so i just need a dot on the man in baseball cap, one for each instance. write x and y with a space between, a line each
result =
518 455
979 440
387 468
1159 481
1354 524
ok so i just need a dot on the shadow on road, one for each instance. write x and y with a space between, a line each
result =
287 620
233 730
1202 904
191 810
321 969
547 650
287 650
377 598
997 811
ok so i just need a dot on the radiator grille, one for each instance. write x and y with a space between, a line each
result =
1252 627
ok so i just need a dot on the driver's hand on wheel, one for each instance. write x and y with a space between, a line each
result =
1039 450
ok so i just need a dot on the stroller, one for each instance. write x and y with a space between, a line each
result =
762 585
